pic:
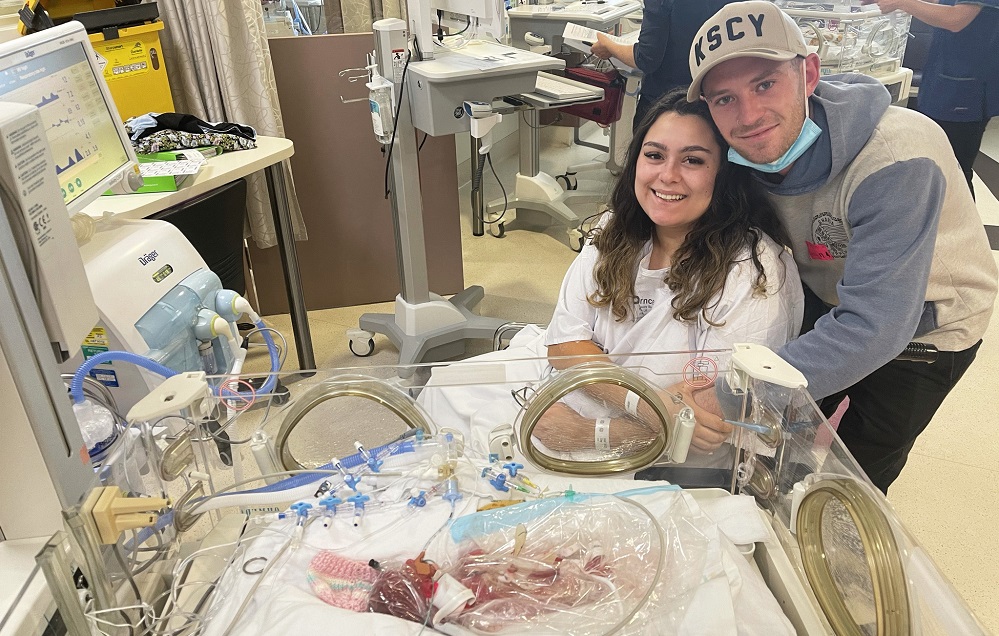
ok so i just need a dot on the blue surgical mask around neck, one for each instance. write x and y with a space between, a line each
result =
810 132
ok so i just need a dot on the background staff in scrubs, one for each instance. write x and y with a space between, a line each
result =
960 86
668 28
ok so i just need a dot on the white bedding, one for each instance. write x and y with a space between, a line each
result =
732 599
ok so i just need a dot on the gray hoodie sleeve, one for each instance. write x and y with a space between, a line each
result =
893 215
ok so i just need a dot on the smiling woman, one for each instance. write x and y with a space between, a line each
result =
690 257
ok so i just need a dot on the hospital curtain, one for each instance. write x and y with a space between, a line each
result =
220 70
356 16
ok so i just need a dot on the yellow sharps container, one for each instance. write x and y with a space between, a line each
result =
135 70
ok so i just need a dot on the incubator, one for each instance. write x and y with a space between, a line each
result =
852 37
494 496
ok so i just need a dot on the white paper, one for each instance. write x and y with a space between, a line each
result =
577 36
169 168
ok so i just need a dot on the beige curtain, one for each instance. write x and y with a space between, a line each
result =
356 16
220 70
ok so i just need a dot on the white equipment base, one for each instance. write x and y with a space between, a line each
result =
434 330
542 193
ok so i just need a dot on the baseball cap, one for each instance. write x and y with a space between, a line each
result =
756 28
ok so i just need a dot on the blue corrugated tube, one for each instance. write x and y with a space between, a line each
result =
76 386
351 461
271 381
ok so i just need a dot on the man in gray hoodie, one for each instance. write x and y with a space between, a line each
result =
885 233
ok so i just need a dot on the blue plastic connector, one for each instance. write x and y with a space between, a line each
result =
302 510
418 501
351 481
499 483
512 468
358 500
373 463
330 503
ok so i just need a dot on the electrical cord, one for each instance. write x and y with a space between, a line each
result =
116 550
523 119
422 141
398 109
506 202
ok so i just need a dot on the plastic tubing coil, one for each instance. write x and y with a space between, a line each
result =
577 377
271 380
351 385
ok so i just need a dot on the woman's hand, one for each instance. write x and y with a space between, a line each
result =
562 429
711 430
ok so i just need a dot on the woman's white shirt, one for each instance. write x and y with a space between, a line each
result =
740 313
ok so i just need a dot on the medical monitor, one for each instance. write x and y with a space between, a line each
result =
57 71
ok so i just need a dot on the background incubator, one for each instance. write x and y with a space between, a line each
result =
851 37
187 545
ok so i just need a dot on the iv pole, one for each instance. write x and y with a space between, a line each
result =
424 324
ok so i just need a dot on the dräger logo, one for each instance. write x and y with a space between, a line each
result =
733 31
146 259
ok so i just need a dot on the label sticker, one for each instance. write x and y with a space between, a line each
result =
107 377
89 351
124 60
700 372
398 64
818 252
98 337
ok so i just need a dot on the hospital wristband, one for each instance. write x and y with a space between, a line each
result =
631 401
601 434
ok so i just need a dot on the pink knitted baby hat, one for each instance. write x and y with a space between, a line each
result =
341 582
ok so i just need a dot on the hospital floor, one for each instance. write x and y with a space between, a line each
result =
948 493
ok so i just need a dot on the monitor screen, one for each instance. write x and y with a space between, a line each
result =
88 142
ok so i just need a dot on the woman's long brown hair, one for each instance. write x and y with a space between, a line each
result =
735 219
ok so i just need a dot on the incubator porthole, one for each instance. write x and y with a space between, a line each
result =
322 423
569 426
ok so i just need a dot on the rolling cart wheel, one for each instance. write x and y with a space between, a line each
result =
498 230
576 239
567 180
361 349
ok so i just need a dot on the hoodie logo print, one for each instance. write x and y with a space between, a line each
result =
829 231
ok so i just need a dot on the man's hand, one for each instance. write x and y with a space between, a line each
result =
711 430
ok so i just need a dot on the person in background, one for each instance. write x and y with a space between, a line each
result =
668 27
960 85
887 239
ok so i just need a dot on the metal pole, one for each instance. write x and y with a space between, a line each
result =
404 171
289 263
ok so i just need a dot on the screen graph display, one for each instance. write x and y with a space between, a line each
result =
81 132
